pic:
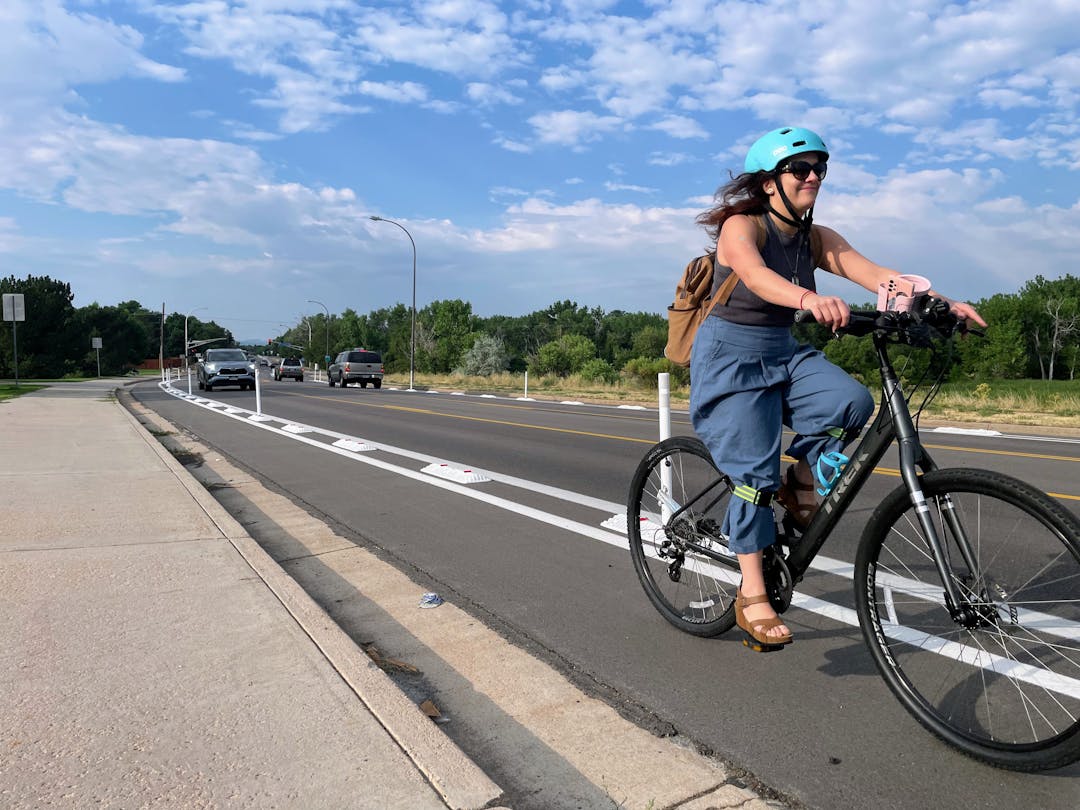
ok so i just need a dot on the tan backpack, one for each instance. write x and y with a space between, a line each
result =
693 303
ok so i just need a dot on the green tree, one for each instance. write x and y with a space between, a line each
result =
516 336
1051 310
624 335
450 328
486 357
650 342
856 356
1002 352
565 355
196 330
123 339
597 370
646 370
150 321
48 340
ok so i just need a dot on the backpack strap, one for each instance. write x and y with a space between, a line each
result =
817 254
728 285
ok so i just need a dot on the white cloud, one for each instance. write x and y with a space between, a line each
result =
402 92
571 128
45 51
680 126
629 187
455 37
488 95
941 119
511 145
559 79
670 158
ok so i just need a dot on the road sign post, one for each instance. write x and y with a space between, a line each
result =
95 344
14 311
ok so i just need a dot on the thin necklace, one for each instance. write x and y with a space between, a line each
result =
794 270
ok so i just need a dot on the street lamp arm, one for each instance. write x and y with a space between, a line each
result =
321 304
412 341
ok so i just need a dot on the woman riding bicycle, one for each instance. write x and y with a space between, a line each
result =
750 377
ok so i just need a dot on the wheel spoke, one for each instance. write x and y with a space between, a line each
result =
678 483
999 674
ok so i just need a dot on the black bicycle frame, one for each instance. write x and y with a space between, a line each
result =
893 421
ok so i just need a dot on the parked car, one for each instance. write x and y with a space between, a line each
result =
226 367
358 366
289 367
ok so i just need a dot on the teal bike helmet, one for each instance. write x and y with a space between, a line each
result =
773 147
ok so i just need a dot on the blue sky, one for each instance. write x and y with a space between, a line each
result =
224 156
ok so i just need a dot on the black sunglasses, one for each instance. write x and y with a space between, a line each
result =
801 169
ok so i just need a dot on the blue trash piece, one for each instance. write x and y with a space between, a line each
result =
430 600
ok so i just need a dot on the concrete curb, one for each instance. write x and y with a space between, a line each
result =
460 782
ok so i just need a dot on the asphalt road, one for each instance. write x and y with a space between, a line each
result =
816 723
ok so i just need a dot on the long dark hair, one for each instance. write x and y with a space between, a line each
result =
745 194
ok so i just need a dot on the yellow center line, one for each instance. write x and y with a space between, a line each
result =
1013 453
878 470
889 471
516 424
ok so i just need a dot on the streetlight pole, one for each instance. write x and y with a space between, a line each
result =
326 357
412 339
187 369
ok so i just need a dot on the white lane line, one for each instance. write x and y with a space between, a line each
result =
838 613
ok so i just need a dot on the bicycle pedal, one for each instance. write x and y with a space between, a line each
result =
757 646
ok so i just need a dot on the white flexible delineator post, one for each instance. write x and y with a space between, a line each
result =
664 393
258 393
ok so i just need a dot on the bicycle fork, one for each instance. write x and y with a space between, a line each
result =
912 456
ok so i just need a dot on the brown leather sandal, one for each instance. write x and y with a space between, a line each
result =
755 640
801 513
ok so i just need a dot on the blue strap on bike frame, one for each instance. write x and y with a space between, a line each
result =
835 462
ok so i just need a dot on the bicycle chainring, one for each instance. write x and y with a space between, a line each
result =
779 584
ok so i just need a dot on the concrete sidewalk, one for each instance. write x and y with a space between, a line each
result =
152 654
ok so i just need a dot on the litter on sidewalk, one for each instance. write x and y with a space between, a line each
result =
430 600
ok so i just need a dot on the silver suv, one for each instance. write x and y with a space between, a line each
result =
289 367
356 365
226 367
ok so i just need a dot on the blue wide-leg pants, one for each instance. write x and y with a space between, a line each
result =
746 384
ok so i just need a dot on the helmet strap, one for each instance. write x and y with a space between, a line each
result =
803 223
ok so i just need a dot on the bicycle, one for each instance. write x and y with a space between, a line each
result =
967 581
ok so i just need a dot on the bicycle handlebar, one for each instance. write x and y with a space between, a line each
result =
913 326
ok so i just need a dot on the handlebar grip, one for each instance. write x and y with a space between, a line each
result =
804 315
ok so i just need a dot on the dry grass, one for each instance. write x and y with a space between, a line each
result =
546 387
1011 407
1006 402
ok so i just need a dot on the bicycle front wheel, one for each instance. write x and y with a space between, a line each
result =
675 509
998 677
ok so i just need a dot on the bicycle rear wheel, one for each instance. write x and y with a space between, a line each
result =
1002 684
677 500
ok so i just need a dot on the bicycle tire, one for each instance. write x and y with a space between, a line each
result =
1002 686
701 600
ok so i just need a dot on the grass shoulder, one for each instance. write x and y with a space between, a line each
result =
1034 403
10 390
